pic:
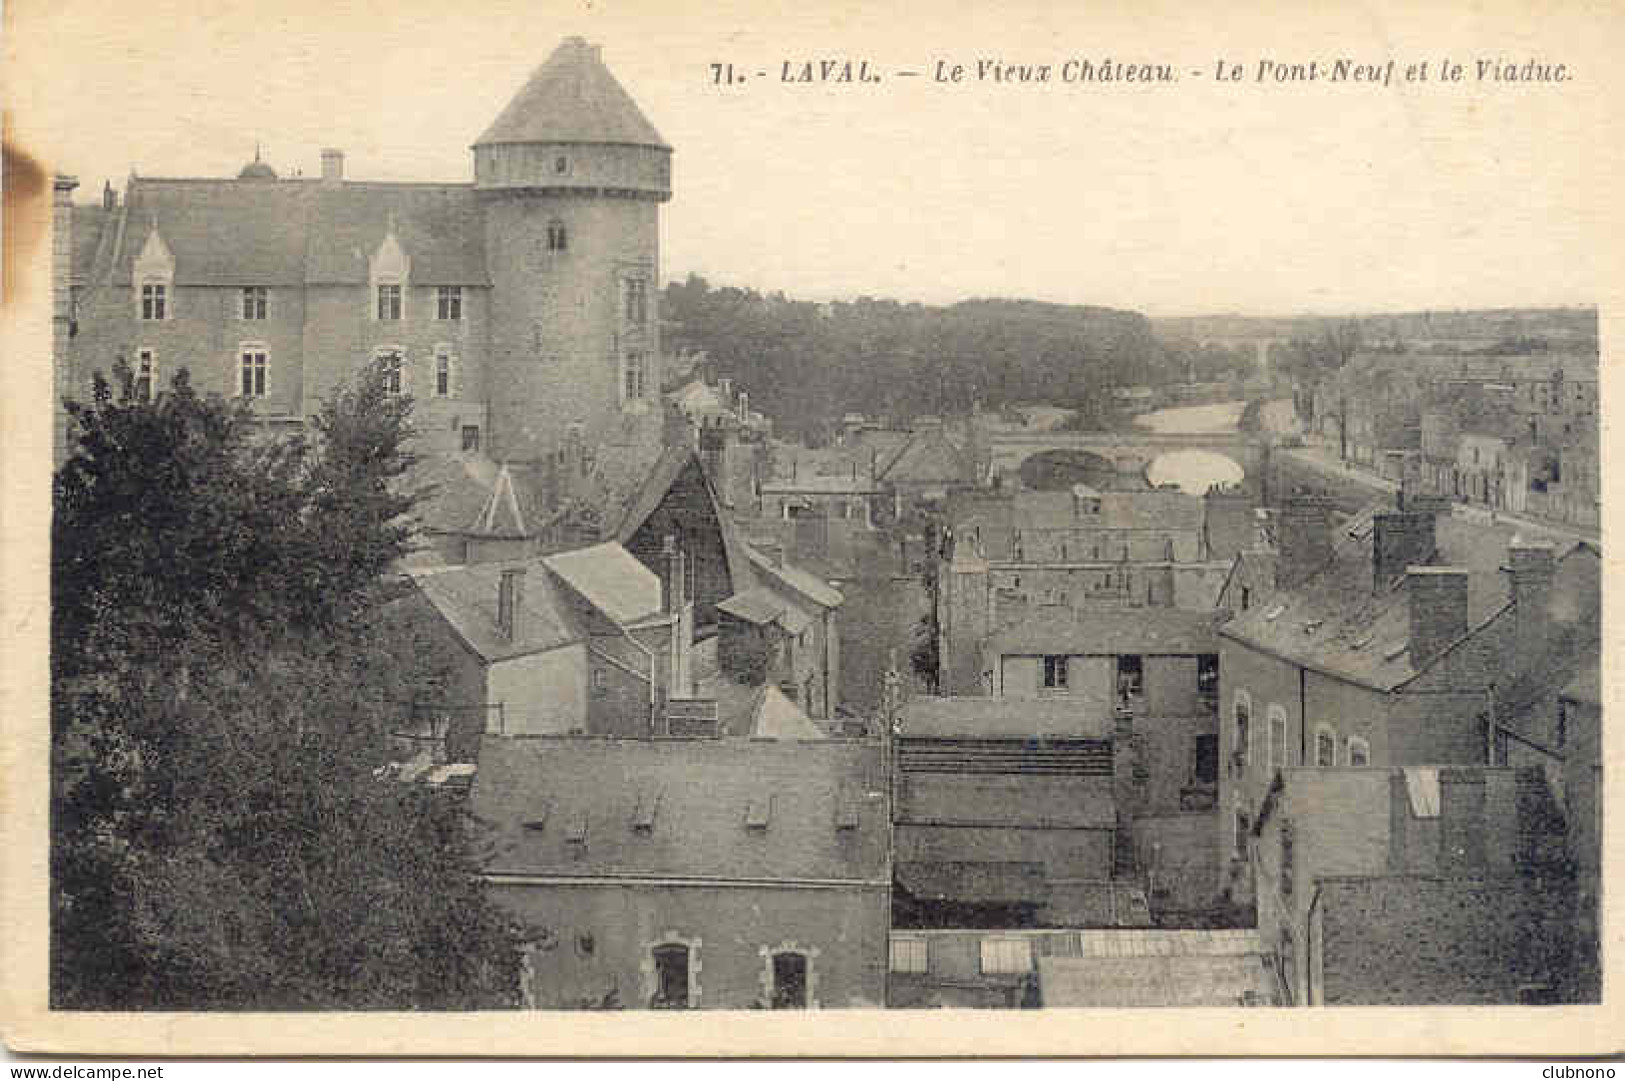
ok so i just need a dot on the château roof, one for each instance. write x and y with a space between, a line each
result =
573 98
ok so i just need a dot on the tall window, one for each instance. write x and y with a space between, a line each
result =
558 238
1240 838
637 373
146 375
255 369
637 301
389 303
789 981
1243 722
1207 674
1130 675
1055 673
393 370
1207 759
1277 717
442 372
255 299
449 303
154 301
671 977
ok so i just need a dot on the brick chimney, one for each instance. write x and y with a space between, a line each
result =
1533 564
674 583
510 597
1304 538
332 165
1438 609
1399 539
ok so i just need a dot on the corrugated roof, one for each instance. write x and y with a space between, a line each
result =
1054 630
572 98
928 716
611 579
706 787
466 597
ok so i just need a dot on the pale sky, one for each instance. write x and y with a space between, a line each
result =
1183 199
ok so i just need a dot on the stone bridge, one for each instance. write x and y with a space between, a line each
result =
1128 452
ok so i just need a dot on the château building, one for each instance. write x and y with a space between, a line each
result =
519 309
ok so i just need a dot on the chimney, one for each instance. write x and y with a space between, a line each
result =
109 196
1438 604
725 389
674 585
1399 539
1533 565
1304 538
332 165
744 407
510 595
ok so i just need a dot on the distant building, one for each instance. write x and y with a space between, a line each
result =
691 874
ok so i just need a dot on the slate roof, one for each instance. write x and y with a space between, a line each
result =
227 232
611 579
814 589
986 882
1057 629
929 457
530 789
1336 623
466 597
455 491
933 717
1159 968
668 468
572 98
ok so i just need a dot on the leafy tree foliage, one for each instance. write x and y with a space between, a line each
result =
223 834
806 364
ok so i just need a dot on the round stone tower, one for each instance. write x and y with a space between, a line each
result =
571 176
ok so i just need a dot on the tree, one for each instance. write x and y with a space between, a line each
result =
222 835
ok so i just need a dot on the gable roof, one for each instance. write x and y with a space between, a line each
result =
455 491
529 788
609 578
929 457
668 469
572 98
466 597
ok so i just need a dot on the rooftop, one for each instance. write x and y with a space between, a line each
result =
466 597
573 98
611 579
534 790
1057 629
933 717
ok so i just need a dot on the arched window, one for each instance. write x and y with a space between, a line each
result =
1277 736
1325 746
1242 711
787 974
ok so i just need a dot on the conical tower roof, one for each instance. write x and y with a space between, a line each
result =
573 98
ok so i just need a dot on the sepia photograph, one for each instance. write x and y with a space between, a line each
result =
555 512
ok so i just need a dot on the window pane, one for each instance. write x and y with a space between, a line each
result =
908 955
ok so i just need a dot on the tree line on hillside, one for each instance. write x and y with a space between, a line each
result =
225 831
806 364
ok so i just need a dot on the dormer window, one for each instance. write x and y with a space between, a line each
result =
561 165
389 303
558 238
154 301
255 301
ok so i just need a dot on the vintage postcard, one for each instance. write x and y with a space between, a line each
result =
938 530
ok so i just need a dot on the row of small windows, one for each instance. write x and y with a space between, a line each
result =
254 302
254 372
1356 751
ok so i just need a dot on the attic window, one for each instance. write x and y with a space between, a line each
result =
1393 651
561 165
758 813
1310 626
1275 612
1362 641
643 815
